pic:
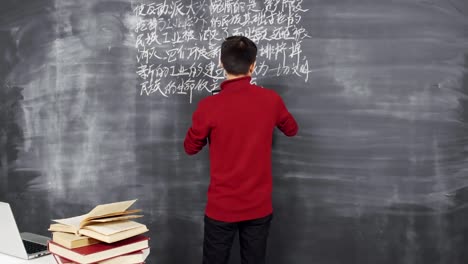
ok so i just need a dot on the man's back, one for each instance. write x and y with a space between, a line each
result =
239 123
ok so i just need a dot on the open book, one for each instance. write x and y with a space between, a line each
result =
106 222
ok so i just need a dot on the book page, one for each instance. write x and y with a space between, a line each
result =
113 227
62 228
72 221
146 253
105 209
113 219
113 215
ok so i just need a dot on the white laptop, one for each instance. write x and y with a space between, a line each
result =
14 243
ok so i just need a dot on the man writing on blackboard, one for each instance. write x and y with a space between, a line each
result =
239 123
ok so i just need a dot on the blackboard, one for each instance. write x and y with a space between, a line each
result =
96 98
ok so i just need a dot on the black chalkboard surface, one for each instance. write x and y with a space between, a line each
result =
96 97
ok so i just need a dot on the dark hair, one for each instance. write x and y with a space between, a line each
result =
237 54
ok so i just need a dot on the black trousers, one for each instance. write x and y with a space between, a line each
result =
253 235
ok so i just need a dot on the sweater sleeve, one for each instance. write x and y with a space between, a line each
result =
285 121
198 133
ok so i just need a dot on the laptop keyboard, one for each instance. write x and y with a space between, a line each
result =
32 247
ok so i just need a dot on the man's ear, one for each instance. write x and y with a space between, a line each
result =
252 67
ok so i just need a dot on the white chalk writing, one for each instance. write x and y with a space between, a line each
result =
178 43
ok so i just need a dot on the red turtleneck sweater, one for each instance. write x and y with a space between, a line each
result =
238 123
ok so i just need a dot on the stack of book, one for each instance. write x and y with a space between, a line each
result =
105 235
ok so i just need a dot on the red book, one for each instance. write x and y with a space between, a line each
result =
99 252
131 258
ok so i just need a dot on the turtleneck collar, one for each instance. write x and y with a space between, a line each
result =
237 82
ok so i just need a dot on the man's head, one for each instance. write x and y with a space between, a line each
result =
238 55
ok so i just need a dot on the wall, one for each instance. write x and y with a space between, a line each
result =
377 173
